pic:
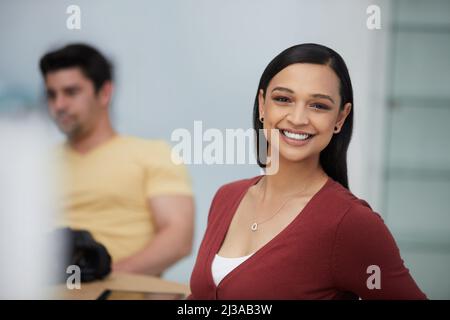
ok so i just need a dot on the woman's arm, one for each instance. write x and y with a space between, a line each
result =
367 261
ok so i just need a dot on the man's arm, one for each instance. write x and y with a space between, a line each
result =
173 216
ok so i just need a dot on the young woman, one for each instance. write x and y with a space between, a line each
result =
300 233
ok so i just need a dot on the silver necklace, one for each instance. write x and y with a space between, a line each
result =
254 226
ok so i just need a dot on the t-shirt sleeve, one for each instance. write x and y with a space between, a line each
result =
367 261
163 176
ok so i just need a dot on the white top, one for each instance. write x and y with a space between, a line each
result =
222 266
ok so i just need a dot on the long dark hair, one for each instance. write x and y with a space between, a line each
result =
333 158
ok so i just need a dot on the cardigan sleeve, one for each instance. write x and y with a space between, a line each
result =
366 259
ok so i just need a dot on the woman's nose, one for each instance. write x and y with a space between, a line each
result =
298 115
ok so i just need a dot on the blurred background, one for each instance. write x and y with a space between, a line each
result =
179 61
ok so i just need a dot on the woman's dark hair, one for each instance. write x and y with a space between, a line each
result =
91 62
333 158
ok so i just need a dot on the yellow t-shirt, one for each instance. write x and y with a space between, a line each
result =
106 191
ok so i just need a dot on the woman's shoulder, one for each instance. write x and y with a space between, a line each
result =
228 194
238 185
343 195
234 188
355 210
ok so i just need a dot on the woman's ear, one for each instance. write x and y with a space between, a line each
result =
342 116
261 103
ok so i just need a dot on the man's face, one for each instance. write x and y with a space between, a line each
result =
72 101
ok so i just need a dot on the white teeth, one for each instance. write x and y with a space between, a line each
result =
295 136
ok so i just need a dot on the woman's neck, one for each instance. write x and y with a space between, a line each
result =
303 178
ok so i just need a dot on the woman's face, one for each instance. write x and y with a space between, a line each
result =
302 101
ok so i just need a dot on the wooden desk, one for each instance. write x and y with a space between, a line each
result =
119 281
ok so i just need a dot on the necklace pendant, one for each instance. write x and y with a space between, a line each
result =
254 227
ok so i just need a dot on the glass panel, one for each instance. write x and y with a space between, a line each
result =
422 65
417 185
420 135
435 12
430 270
419 206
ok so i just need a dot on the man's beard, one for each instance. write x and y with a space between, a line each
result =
72 129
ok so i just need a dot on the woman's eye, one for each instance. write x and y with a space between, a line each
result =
282 99
319 106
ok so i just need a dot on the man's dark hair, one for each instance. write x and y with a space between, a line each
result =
91 62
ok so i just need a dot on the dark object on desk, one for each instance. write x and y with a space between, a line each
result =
91 256
137 295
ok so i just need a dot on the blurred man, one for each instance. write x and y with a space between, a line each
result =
124 190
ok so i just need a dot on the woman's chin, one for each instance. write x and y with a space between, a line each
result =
296 156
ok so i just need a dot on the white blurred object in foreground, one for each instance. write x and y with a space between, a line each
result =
27 208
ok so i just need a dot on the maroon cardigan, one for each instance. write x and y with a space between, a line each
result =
324 253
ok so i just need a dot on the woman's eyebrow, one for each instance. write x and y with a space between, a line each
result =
314 95
323 96
283 89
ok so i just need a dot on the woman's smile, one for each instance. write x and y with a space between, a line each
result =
295 137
